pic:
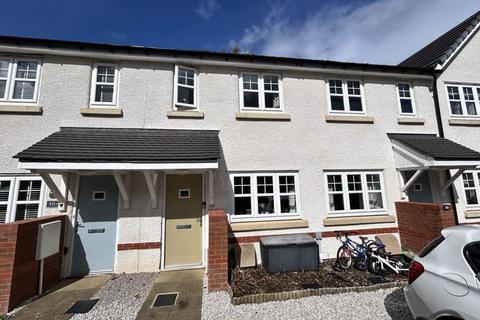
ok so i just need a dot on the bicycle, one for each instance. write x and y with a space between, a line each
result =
379 258
351 251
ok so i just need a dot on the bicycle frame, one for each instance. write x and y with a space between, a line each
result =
386 262
359 249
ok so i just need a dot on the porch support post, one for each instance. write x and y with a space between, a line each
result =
453 178
52 186
211 191
409 183
151 180
124 188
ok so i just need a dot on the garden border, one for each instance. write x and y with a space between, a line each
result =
297 294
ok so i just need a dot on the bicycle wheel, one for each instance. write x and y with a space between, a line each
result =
374 264
344 257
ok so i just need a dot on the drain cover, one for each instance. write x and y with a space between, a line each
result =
82 306
165 299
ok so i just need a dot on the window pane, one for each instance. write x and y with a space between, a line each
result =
353 87
265 204
288 204
104 93
404 90
471 108
29 190
336 202
335 86
355 103
468 181
334 182
185 95
471 196
406 105
23 90
265 184
4 64
468 93
250 82
356 201
287 184
26 70
250 99
272 100
26 211
456 107
4 190
241 185
472 252
375 200
3 213
106 74
337 103
453 93
270 83
373 182
243 205
3 84
354 182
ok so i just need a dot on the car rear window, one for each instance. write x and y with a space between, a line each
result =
472 254
432 245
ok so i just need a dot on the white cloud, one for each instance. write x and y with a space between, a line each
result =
382 31
206 8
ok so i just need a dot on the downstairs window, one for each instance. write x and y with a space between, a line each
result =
20 198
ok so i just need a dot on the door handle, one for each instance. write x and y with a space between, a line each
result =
78 225
199 220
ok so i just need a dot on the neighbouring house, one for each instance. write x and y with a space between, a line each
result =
454 59
137 145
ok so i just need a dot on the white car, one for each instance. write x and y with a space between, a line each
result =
444 279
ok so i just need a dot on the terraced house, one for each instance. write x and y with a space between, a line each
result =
138 145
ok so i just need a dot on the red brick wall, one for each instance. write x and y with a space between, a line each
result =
217 250
420 223
19 270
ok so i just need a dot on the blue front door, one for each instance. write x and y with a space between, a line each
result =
96 225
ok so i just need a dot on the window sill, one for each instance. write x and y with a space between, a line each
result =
21 109
349 119
464 122
102 112
268 225
262 116
346 221
472 214
410 120
185 114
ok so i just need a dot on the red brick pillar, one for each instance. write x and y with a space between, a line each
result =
217 250
8 241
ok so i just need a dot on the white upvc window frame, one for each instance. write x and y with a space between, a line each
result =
345 192
412 99
253 195
463 101
8 202
346 102
476 188
94 83
13 196
12 79
176 104
261 91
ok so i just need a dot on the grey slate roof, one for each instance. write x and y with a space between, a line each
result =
438 51
125 145
436 147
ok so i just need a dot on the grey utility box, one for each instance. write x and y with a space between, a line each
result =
290 253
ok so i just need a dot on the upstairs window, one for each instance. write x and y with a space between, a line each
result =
471 187
185 87
351 192
463 100
20 198
104 85
19 79
261 92
405 97
265 194
345 96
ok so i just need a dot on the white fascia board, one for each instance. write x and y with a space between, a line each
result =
197 62
458 48
456 164
115 166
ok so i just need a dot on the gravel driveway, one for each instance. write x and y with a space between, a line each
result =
121 297
381 304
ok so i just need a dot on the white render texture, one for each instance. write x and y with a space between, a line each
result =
464 68
307 143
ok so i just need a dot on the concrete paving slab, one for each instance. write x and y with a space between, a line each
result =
52 306
188 284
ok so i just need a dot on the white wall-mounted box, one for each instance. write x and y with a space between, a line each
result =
48 239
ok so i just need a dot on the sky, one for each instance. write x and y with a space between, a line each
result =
372 31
